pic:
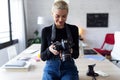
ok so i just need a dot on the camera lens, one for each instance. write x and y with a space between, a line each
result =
66 57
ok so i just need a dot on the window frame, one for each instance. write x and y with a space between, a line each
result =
11 42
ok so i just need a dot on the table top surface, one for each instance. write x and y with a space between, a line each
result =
36 69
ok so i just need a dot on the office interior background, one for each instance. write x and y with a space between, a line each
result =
25 14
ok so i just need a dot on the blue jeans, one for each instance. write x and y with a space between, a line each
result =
58 70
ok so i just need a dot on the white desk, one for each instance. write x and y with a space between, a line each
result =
36 70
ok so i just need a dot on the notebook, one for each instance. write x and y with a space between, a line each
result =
16 63
17 66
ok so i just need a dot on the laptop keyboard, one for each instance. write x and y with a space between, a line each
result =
89 52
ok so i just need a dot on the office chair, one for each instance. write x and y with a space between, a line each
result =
11 50
107 45
115 54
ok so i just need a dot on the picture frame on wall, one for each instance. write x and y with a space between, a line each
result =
97 20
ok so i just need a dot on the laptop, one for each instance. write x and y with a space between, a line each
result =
89 52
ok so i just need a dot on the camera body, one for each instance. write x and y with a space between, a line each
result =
91 71
65 47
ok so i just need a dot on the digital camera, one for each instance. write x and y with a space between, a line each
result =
65 47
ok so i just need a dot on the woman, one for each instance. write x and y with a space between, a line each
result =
59 46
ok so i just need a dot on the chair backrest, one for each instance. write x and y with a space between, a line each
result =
115 54
109 39
12 52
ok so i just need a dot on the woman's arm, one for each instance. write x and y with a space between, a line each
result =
75 35
45 53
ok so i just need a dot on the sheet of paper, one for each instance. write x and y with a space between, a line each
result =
95 57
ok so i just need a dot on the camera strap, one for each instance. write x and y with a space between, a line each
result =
69 35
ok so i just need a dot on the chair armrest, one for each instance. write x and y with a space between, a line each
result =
115 60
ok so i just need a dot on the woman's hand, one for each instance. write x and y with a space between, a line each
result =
51 48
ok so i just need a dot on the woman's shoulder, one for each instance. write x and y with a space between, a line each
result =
71 26
47 28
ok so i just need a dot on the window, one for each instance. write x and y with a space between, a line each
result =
5 24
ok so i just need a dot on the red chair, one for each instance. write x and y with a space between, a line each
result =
107 45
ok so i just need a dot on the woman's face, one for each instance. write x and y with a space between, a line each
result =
59 17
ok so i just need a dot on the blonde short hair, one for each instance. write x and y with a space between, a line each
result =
60 4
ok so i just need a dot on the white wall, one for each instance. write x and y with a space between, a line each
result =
35 8
77 15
